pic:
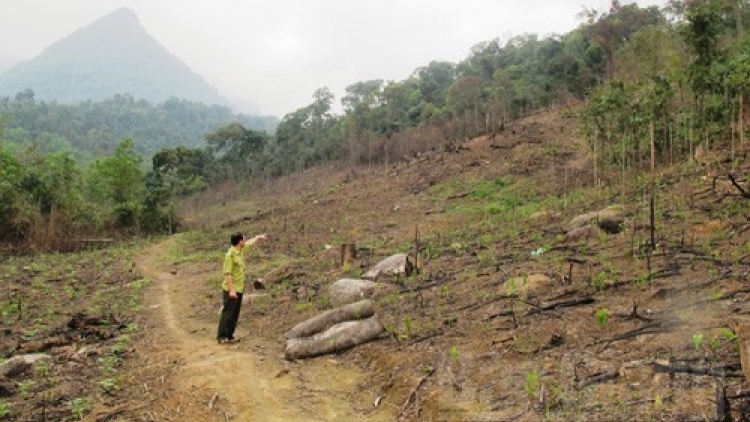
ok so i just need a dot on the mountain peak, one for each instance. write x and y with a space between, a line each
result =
112 55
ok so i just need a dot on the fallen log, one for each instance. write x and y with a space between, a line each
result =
342 336
717 371
351 312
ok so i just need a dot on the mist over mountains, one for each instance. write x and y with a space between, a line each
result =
112 55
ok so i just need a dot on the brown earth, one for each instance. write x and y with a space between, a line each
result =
594 328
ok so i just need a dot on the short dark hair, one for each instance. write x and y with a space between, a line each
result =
236 238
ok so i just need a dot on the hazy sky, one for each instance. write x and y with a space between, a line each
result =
276 53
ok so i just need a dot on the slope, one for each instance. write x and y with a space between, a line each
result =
511 317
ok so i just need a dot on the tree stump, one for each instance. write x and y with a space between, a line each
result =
348 253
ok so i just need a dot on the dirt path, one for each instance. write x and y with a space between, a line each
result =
248 381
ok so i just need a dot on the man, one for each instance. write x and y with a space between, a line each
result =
233 285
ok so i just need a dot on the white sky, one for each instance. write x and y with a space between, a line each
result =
276 53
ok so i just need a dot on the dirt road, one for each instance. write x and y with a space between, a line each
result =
247 381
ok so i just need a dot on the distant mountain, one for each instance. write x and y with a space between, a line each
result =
112 55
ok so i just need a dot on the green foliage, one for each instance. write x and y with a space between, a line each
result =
532 383
93 129
602 316
697 340
4 408
80 407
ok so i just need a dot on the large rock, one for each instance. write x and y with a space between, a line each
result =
19 364
586 232
395 265
609 219
348 290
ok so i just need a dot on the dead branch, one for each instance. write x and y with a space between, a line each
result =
413 394
743 192
598 379
562 304
427 336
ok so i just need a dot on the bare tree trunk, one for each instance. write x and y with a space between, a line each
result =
653 187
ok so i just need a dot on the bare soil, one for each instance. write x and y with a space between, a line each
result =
596 328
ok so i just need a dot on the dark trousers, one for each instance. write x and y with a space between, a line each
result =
230 313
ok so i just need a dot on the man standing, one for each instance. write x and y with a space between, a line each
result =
233 285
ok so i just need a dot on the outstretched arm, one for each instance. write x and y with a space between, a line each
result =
256 238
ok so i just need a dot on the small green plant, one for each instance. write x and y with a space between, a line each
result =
80 407
698 341
109 385
4 408
121 344
131 328
109 363
454 354
42 368
301 306
408 325
532 383
25 388
139 284
602 317
728 334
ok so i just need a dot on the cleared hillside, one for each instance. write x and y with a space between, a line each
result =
511 317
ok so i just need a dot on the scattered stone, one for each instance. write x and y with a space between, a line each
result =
395 265
585 232
19 364
609 219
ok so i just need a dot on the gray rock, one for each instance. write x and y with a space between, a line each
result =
398 264
19 364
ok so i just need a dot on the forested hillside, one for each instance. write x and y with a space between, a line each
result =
91 129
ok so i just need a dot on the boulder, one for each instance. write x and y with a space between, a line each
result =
398 264
581 233
19 364
609 219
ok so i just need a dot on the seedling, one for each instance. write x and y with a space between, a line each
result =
532 383
80 407
698 341
602 317
454 353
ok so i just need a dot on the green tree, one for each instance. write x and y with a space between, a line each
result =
237 149
118 181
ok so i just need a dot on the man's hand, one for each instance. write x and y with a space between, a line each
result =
232 294
258 237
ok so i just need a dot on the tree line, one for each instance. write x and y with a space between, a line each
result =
649 83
